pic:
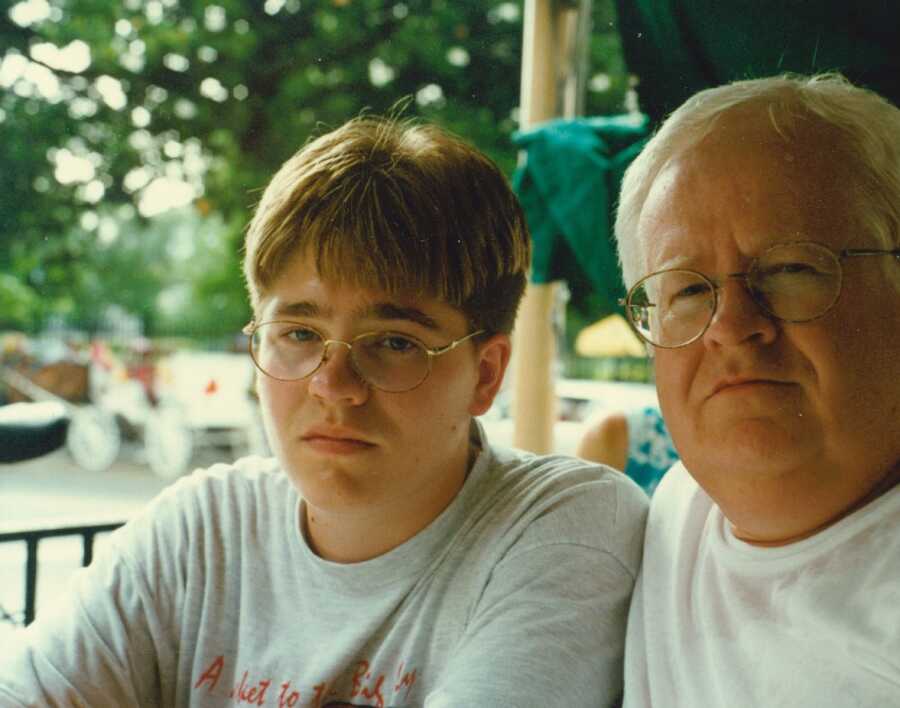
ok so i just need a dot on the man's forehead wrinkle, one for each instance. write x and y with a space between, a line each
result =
757 192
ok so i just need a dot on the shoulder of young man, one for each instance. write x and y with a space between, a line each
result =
208 497
570 499
248 475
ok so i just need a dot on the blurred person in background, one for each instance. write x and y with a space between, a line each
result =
635 442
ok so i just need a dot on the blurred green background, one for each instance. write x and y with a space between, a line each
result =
136 135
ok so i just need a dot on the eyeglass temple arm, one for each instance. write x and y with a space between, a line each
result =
454 344
853 252
623 302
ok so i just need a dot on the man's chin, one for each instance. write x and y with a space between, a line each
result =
751 445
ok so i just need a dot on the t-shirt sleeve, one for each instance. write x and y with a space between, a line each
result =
108 640
549 627
94 648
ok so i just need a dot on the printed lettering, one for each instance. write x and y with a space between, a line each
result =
240 687
263 687
212 673
255 693
367 685
319 688
375 692
361 670
407 680
360 689
287 699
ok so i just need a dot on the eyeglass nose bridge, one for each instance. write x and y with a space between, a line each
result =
746 279
718 283
326 343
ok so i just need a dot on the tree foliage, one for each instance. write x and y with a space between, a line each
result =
113 111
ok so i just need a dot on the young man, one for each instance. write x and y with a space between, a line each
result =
387 555
759 232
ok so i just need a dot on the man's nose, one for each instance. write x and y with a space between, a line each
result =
738 317
337 380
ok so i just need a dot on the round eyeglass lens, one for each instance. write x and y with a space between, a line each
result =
390 361
286 350
671 308
796 282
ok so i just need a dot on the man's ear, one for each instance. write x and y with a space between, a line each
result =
492 360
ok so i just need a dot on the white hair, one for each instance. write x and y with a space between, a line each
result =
868 135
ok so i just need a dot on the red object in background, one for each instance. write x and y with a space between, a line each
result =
211 387
145 372
101 355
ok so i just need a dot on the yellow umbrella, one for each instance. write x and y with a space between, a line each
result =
611 336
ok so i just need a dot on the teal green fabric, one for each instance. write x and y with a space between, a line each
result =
568 184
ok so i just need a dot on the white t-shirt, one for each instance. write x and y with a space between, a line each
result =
516 595
716 622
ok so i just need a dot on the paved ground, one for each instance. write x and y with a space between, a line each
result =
55 488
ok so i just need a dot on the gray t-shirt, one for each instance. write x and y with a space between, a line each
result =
516 595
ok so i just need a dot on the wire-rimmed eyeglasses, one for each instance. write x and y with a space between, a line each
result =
388 361
792 282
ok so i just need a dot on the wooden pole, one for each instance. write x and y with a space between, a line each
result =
534 349
550 29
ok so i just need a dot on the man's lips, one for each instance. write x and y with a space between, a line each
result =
336 432
744 382
336 440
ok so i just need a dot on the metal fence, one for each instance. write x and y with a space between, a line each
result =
31 537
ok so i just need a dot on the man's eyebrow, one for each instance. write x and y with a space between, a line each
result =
393 311
376 311
302 308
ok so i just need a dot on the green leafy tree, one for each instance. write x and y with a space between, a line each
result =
112 112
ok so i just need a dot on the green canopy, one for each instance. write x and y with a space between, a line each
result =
679 47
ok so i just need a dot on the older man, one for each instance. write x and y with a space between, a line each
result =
759 233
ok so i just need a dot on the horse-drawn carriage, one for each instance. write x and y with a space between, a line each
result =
170 407
92 434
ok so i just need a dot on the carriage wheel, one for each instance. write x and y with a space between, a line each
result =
93 439
168 442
